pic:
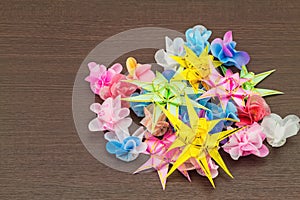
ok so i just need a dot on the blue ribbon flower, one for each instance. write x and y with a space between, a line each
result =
225 51
168 74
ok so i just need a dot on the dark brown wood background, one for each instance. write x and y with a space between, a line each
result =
42 44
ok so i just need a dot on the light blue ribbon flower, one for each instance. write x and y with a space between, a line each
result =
197 38
138 107
183 113
216 112
125 147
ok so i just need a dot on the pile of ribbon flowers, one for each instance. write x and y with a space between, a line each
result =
192 108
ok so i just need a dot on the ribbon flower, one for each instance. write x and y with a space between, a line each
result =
254 79
173 48
110 116
138 71
196 141
159 160
278 129
225 51
126 147
100 76
197 38
161 92
195 68
247 141
228 87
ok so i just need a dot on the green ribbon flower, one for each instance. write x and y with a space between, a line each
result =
163 93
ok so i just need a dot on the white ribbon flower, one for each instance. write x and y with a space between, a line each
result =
173 48
278 129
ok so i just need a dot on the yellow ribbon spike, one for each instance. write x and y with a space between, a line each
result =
197 142
204 165
184 156
214 153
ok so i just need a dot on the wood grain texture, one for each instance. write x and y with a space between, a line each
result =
42 44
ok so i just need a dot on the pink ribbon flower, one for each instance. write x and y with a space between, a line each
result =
118 87
226 88
100 76
160 158
247 141
110 116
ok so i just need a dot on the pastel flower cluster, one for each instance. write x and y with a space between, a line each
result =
189 110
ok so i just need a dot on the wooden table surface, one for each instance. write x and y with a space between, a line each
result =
43 43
